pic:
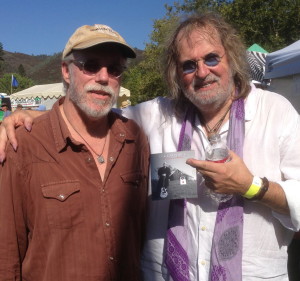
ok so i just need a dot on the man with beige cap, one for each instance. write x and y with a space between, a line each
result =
73 197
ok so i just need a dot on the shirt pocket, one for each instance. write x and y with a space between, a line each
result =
63 204
135 192
133 178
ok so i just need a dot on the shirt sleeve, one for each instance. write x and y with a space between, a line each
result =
13 236
148 114
290 167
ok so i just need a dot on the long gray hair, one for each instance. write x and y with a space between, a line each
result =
231 41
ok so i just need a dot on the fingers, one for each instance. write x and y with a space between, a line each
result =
28 123
205 167
3 141
209 182
10 135
198 164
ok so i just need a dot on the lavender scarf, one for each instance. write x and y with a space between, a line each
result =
226 252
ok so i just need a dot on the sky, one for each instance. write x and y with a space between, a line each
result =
37 27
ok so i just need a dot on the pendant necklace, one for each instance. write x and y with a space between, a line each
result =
100 157
214 130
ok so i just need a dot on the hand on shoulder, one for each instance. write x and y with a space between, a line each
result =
9 125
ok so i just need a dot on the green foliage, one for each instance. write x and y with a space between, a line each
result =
273 24
145 80
192 6
21 70
1 56
5 83
1 52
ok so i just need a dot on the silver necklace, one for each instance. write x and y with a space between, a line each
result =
100 157
216 127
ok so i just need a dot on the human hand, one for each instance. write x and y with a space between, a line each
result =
232 177
9 125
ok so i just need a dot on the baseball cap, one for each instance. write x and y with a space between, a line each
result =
88 36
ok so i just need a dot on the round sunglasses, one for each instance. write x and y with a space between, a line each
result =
210 60
92 67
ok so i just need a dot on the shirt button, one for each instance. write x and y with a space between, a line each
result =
111 258
203 262
89 160
61 196
107 224
122 135
203 228
111 159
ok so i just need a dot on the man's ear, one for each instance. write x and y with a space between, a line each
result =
65 72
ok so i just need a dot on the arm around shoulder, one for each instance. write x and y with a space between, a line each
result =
9 125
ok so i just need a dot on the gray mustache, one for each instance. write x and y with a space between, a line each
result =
96 88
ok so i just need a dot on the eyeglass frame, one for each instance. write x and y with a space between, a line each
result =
80 64
218 59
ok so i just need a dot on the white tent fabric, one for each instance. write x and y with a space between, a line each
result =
40 91
283 62
49 91
283 70
48 94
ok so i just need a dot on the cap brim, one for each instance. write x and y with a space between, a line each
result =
128 51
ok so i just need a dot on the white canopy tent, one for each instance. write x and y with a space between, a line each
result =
283 70
47 95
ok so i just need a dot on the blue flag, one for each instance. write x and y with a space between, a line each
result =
14 81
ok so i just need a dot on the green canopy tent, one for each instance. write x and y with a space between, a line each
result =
257 48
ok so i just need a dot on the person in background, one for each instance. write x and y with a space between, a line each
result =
5 109
19 107
245 238
73 197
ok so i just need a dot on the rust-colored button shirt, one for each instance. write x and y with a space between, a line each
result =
58 220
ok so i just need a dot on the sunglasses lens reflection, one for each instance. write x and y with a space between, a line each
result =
190 66
91 67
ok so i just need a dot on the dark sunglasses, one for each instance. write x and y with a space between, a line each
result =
210 60
92 67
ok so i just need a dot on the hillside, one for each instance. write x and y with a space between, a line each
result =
42 69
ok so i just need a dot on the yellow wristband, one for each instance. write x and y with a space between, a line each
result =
254 188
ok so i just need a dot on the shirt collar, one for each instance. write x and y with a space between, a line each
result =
62 135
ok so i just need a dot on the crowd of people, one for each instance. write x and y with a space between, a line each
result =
74 196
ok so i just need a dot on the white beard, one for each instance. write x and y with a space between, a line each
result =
82 102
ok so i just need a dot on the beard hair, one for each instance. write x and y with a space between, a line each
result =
81 101
209 97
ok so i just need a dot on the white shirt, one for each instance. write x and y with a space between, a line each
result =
271 149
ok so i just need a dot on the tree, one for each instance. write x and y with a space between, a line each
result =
1 57
145 79
5 83
273 24
21 70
